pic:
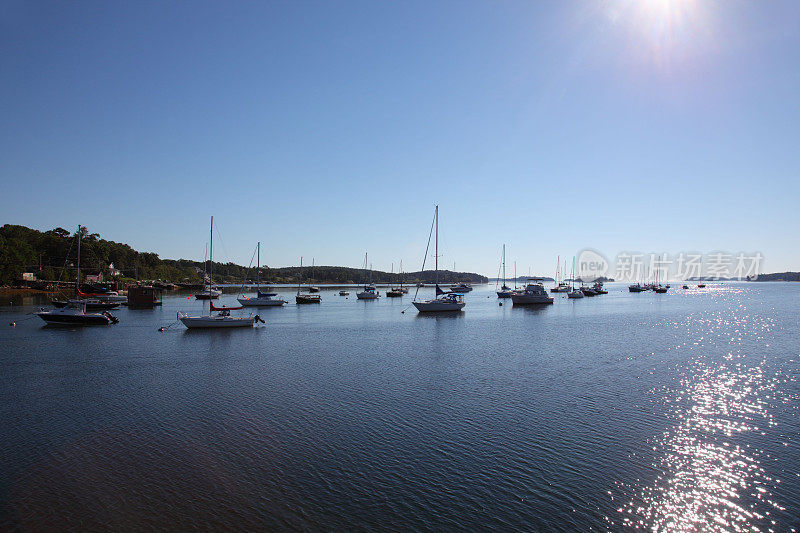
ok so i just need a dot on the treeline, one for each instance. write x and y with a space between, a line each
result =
52 256
778 276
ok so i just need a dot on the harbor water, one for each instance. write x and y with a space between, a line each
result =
674 411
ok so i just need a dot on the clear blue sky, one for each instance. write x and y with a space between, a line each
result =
326 129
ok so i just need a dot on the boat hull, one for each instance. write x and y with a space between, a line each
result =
367 296
394 294
439 307
306 299
216 322
575 295
530 299
93 319
260 302
504 294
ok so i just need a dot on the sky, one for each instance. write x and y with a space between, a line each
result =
331 129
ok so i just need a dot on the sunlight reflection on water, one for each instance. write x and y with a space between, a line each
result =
706 482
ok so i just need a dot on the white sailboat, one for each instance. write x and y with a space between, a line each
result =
369 292
223 318
262 299
573 292
443 302
209 292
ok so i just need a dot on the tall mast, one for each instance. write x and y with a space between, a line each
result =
504 265
78 274
300 276
401 273
436 253
258 266
211 255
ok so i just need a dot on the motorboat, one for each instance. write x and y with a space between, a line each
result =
74 314
394 293
638 287
598 288
262 299
588 291
313 288
534 293
701 285
307 298
685 286
444 301
344 293
222 319
461 288
660 289
561 287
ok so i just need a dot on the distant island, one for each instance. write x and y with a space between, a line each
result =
33 258
777 276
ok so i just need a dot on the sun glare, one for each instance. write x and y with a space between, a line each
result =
667 32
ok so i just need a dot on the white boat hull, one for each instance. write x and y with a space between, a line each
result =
575 294
261 302
205 322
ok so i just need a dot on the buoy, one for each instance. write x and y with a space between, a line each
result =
161 328
12 324
500 304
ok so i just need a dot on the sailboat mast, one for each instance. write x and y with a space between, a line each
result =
504 265
258 265
78 274
436 252
211 255
300 276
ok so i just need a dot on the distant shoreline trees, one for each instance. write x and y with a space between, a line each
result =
51 256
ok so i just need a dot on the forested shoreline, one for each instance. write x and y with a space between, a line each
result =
51 256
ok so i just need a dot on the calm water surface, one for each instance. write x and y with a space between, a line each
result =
664 412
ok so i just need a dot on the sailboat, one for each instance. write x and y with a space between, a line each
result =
443 301
262 299
305 298
312 288
209 292
223 318
369 292
561 285
573 292
505 291
396 292
73 313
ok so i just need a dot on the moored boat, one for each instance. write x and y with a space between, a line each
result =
222 319
74 314
442 302
534 293
262 299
